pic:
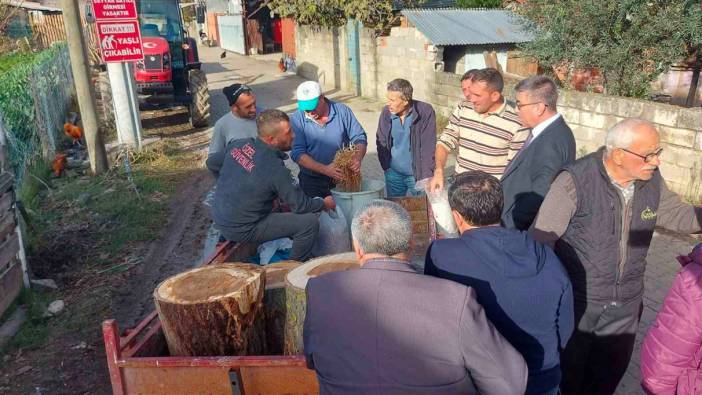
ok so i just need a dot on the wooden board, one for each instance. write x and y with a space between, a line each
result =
10 285
278 381
177 381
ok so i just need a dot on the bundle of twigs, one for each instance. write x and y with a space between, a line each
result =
350 180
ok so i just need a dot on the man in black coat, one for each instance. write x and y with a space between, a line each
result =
549 147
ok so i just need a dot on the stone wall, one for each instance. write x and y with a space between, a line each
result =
406 53
318 55
590 115
322 55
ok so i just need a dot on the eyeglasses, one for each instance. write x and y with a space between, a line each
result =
646 158
520 105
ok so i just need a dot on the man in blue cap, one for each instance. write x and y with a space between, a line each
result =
322 127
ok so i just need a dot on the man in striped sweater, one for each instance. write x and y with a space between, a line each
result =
486 130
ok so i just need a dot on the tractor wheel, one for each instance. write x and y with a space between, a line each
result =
106 107
199 107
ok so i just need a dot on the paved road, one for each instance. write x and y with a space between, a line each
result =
277 90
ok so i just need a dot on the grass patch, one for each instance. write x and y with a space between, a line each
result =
83 230
10 60
35 330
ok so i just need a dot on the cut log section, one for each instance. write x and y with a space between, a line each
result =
274 305
295 299
213 310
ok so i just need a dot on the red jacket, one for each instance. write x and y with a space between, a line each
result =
671 354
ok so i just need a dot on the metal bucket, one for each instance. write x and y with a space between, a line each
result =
351 202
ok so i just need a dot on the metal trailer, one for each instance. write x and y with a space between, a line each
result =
138 360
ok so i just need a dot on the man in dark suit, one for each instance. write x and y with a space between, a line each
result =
549 147
385 329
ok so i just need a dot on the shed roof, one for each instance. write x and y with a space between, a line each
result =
451 26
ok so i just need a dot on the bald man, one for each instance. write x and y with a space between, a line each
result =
600 214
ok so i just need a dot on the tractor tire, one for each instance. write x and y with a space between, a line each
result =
199 107
106 108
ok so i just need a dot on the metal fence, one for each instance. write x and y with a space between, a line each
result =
35 109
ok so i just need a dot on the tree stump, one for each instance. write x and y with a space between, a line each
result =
213 310
295 297
274 305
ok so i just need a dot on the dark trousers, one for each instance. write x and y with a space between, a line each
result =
317 185
301 228
598 353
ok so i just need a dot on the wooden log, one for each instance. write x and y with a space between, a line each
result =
295 297
274 305
214 310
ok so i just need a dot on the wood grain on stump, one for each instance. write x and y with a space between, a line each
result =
213 310
274 305
295 299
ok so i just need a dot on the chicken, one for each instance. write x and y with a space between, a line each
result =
59 164
73 132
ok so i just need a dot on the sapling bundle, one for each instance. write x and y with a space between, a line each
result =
350 180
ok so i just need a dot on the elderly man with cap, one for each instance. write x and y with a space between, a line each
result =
600 214
239 123
322 127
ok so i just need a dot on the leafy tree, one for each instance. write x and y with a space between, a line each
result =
331 13
691 31
630 41
478 3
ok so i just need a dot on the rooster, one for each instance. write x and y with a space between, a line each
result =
73 132
59 164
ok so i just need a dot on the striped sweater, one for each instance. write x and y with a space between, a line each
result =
484 143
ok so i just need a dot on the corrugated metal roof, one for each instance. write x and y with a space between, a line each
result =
400 5
450 26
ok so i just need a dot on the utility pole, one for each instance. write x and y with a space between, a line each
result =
126 105
84 89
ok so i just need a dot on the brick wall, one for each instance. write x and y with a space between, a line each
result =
288 27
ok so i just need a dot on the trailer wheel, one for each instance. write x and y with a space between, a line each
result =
199 107
106 107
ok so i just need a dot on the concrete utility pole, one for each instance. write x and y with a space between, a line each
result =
126 104
84 89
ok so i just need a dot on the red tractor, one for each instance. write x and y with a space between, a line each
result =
170 73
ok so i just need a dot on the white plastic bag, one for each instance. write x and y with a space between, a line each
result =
267 250
333 235
445 225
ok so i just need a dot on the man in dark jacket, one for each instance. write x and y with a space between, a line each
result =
600 214
521 284
549 147
385 329
406 140
251 178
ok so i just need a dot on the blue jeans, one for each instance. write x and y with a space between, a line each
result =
398 185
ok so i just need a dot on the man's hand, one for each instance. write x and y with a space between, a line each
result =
333 172
329 203
355 165
437 182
